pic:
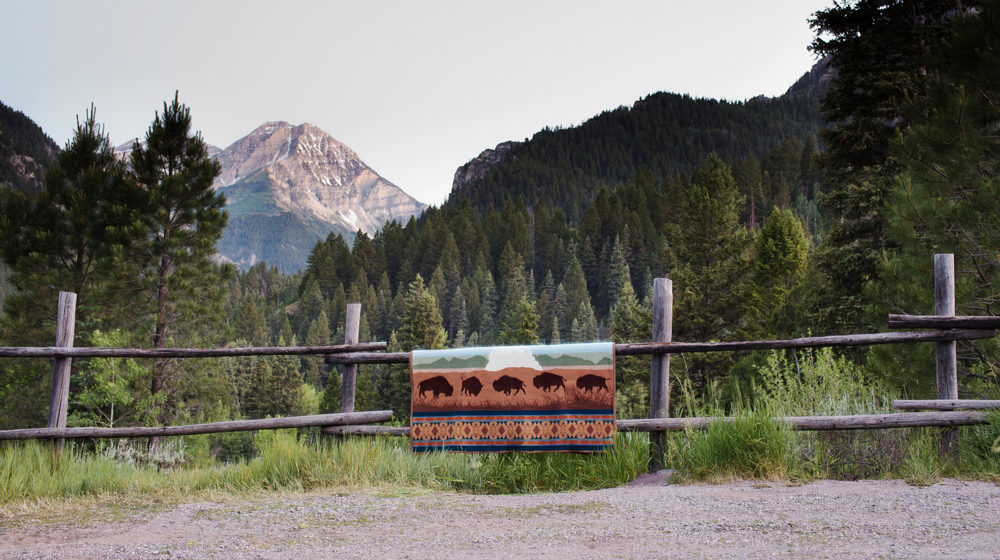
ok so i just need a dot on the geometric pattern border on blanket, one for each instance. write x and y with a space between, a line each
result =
557 398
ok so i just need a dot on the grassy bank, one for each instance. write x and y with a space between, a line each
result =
751 447
287 462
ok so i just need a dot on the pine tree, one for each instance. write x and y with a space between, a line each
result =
946 200
631 323
618 273
575 286
879 49
782 257
249 324
318 335
286 384
588 326
180 220
709 258
421 328
259 398
519 322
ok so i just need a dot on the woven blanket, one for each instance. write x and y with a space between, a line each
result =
513 398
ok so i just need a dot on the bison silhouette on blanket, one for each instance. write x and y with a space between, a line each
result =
508 384
592 383
472 386
549 382
436 385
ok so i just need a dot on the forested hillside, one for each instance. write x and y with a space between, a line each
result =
26 152
669 134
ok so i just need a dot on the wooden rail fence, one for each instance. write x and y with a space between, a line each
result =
948 330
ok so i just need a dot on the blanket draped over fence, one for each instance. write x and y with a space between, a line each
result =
514 398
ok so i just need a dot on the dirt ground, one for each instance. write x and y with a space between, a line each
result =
825 519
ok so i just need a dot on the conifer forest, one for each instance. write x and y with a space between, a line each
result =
814 213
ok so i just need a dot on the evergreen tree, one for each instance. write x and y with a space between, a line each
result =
318 335
946 200
421 328
782 256
421 324
588 326
249 324
519 323
709 260
258 401
631 323
286 384
618 273
330 401
879 49
575 286
59 240
559 307
180 220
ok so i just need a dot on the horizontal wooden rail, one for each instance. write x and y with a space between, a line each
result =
935 322
686 347
367 431
859 422
945 404
369 358
57 352
807 342
211 428
803 423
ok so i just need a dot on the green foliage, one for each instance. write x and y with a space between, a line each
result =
745 445
946 198
709 257
174 289
879 49
62 238
104 384
819 383
782 258
330 400
519 324
631 323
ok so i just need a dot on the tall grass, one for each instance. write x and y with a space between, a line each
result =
286 462
748 444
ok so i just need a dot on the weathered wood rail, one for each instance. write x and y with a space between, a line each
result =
64 352
317 420
935 322
802 423
638 349
945 404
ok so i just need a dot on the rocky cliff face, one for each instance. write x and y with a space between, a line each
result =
311 174
479 166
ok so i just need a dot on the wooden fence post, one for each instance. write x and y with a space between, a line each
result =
659 374
946 351
59 399
350 381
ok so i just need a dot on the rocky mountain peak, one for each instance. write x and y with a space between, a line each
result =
311 173
479 166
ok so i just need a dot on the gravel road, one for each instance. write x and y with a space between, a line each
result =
825 519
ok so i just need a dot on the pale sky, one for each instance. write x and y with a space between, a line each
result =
415 88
